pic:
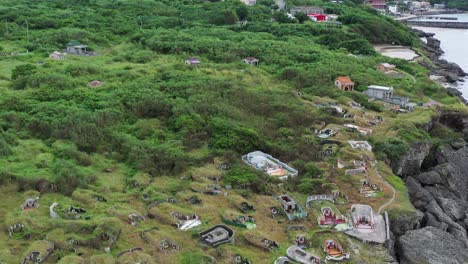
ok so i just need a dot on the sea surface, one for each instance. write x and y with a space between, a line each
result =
454 42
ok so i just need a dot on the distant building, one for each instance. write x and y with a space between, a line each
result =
439 6
249 2
425 4
57 55
192 61
344 83
385 67
317 17
393 9
75 47
379 92
421 5
307 10
251 61
378 4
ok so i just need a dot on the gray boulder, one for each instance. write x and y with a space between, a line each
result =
429 178
430 245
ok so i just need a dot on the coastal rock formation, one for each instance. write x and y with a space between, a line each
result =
457 93
410 163
432 246
422 34
437 184
451 72
458 121
403 223
442 192
433 46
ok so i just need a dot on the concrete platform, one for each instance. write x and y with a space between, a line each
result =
379 234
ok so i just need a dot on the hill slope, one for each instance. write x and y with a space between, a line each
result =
157 128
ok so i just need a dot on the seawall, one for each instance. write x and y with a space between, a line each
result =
439 24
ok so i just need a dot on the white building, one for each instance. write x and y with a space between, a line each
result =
249 2
379 92
393 9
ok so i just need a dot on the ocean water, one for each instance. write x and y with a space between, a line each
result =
454 42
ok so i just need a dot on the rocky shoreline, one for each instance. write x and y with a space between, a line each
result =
449 71
437 182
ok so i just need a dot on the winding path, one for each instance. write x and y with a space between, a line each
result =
390 186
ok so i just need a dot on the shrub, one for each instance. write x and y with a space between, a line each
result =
4 147
228 135
308 185
240 177
68 176
391 149
80 70
23 70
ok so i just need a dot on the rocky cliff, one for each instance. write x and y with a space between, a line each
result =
432 246
437 182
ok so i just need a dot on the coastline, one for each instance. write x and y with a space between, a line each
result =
450 72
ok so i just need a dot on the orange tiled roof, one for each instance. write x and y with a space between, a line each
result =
344 79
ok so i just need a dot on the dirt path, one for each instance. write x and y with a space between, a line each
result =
389 186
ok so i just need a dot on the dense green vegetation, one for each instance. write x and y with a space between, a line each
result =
155 121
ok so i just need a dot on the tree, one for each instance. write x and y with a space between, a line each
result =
23 70
230 18
242 12
282 17
240 177
301 17
391 149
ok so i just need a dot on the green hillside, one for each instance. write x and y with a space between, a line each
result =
157 128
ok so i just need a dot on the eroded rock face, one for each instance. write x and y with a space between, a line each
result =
430 245
442 193
458 121
422 34
410 164
403 223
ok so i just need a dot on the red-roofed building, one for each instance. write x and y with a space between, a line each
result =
317 17
378 4
344 83
251 61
